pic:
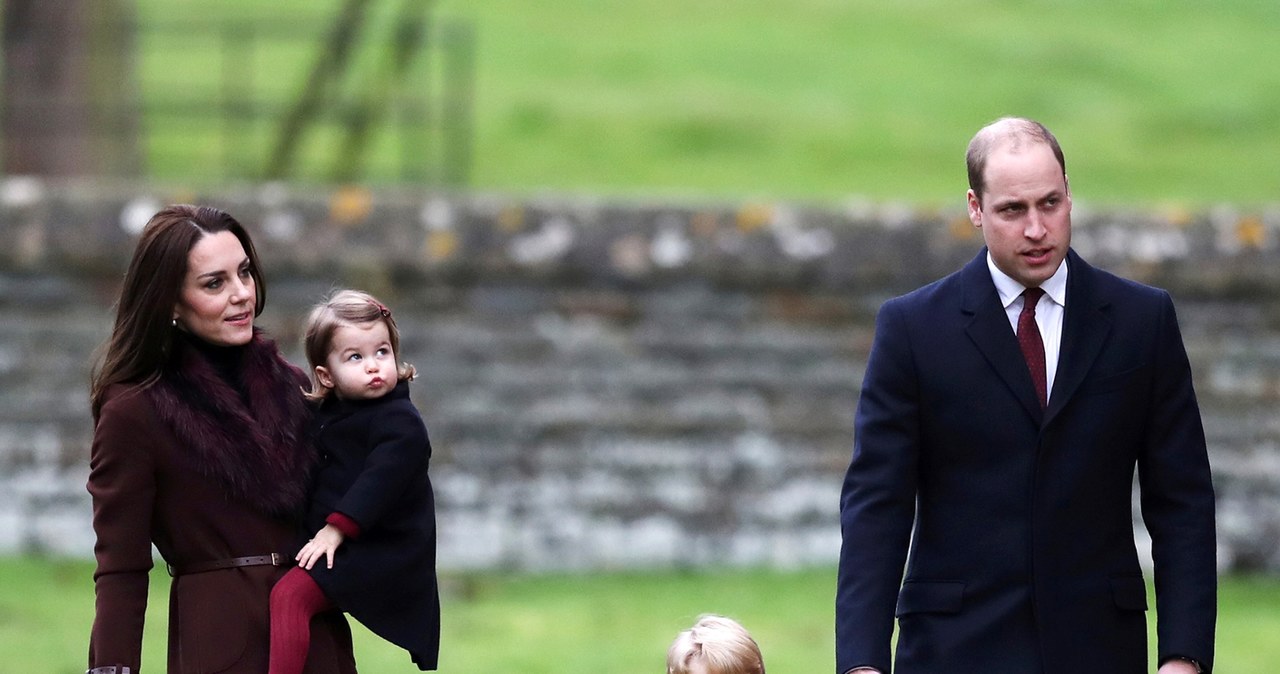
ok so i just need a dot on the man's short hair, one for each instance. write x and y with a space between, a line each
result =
719 644
1014 130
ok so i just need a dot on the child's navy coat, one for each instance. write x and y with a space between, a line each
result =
373 469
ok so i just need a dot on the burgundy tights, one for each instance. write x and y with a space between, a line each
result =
295 599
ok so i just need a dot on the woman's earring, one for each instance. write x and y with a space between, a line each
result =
174 322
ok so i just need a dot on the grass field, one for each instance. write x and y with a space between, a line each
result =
1156 102
591 624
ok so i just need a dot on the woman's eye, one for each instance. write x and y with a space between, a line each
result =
214 284
246 273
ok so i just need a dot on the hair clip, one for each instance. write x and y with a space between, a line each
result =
382 308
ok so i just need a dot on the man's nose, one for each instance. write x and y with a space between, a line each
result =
1035 228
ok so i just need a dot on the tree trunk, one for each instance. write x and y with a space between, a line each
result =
335 56
70 99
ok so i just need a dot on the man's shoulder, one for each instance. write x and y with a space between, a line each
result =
945 290
1108 286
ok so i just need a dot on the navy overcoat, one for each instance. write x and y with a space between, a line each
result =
1015 524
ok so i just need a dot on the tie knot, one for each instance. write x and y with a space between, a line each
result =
1030 297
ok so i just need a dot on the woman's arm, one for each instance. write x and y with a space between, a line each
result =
122 483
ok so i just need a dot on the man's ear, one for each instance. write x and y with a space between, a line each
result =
324 377
975 209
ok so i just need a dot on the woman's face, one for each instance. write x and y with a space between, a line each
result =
218 297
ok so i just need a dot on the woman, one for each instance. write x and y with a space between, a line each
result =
199 448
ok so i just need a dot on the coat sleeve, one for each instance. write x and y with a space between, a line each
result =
400 452
1178 503
122 484
877 501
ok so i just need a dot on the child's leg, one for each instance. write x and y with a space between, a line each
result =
294 600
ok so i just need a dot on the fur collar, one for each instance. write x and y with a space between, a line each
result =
259 450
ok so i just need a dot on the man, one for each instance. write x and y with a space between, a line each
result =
996 439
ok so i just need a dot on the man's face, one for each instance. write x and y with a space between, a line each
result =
1025 214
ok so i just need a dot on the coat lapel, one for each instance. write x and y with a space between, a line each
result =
990 331
1084 330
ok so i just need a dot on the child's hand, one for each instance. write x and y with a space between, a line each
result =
324 544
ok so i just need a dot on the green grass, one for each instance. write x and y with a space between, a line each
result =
618 623
1156 102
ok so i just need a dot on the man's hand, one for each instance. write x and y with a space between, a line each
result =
328 539
1177 667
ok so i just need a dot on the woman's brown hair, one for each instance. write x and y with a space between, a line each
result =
142 337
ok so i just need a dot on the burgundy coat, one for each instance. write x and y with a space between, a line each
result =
187 466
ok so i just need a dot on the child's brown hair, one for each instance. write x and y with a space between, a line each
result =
346 307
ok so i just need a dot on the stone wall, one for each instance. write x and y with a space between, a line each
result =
614 384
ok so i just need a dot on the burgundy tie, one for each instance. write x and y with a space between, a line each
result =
1032 345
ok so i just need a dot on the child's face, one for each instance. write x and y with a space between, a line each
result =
360 365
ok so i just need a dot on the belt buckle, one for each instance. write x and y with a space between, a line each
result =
275 559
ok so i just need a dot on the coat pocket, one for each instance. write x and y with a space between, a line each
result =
930 596
1129 593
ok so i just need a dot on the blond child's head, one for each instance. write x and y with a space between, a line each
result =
346 313
714 645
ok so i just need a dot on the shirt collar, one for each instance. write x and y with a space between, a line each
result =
1055 287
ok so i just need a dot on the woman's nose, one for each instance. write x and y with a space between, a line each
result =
241 291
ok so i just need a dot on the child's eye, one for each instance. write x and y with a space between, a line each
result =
354 356
383 352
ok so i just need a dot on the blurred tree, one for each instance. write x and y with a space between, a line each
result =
330 66
70 100
361 103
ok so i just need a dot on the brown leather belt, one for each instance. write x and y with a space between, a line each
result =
273 559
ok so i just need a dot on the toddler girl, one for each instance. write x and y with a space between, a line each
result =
371 504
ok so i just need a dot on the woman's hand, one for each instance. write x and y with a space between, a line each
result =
324 544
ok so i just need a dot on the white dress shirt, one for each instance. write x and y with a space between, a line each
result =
1049 311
